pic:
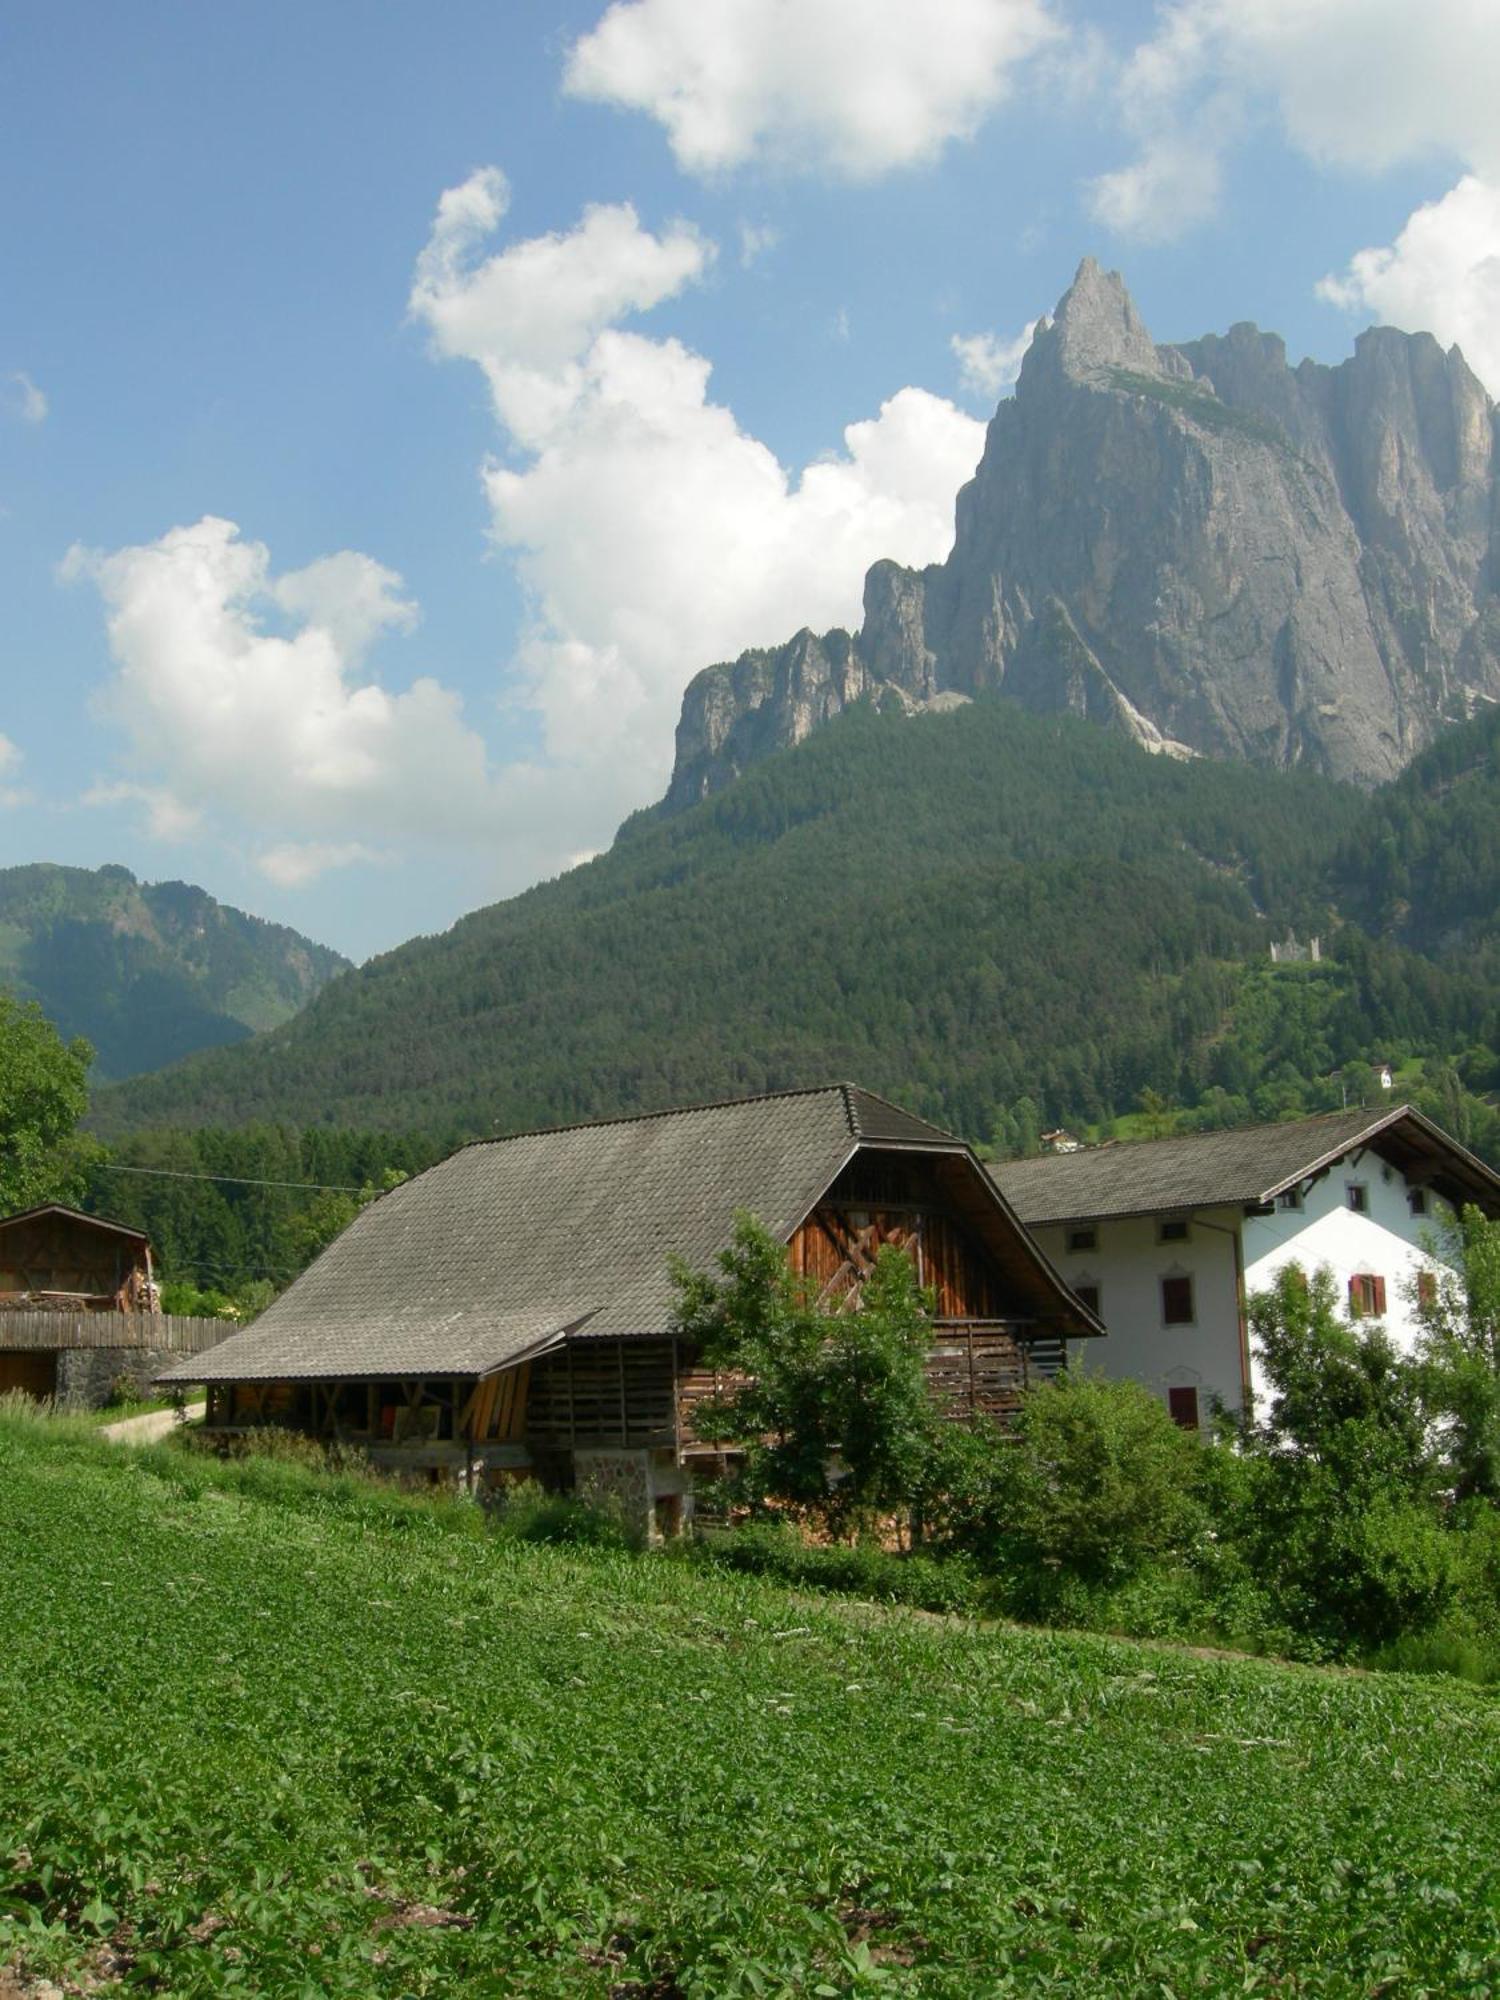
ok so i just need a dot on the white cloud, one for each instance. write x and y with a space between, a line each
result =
528 314
231 720
757 239
987 365
1361 85
652 534
10 764
167 818
1442 273
856 86
25 400
292 864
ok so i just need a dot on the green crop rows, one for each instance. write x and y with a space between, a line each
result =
263 1735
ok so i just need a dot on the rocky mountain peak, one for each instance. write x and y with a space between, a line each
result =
1096 327
1196 545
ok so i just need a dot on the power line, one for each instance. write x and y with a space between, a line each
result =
232 1180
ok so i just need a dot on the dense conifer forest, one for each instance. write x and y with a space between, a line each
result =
1002 920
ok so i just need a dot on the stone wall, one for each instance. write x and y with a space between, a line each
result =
87 1376
649 1491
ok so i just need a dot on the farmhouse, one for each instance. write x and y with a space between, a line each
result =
511 1309
78 1310
1165 1239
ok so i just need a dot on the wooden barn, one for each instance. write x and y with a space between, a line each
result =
77 1305
510 1310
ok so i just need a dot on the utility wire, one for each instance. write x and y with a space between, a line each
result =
233 1180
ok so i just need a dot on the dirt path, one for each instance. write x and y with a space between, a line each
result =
153 1425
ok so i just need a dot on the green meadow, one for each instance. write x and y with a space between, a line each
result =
273 1732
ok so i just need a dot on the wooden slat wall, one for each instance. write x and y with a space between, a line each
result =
836 1247
167 1333
603 1392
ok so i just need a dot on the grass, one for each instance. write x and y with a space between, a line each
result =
278 1733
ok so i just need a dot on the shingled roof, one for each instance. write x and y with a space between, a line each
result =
503 1248
1246 1167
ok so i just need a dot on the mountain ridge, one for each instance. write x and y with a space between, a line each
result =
149 972
1195 545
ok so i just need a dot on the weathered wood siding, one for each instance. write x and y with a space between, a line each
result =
164 1333
604 1392
65 1256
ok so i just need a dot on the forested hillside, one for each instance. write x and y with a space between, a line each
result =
998 918
148 971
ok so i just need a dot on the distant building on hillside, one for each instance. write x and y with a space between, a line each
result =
1164 1240
1291 951
511 1310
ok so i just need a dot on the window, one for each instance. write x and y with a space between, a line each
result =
1416 1200
1366 1296
1173 1230
1290 1198
1083 1239
1427 1288
1183 1407
1359 1197
1088 1295
1177 1301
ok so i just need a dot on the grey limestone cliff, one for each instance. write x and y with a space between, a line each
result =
1198 545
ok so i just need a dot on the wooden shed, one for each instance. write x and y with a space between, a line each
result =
511 1309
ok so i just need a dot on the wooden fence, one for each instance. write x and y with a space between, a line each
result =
161 1333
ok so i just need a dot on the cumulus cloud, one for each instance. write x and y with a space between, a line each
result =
652 534
1360 85
237 694
25 400
987 365
859 87
1442 273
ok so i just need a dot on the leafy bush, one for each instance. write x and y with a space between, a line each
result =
1093 1483
527 1512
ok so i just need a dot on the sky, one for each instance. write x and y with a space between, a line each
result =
398 404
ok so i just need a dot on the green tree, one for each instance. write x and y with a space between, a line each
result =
1460 1354
1340 1519
43 1094
1091 1483
830 1409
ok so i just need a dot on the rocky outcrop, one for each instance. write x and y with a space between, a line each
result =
1198 545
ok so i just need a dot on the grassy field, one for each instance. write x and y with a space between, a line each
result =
270 1733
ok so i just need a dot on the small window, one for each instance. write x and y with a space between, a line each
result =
1183 1407
1177 1301
1173 1230
1083 1239
1088 1295
1427 1288
1416 1200
1290 1198
1359 1197
1367 1296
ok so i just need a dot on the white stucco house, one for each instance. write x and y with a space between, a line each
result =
1165 1239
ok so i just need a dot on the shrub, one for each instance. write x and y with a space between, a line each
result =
527 1512
1094 1483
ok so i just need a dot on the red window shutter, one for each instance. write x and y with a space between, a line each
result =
1177 1301
1182 1404
1377 1299
1427 1288
1356 1295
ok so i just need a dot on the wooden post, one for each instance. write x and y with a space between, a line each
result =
620 1370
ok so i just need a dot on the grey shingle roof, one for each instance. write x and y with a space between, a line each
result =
500 1248
1250 1165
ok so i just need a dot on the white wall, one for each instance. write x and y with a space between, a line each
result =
1128 1266
1386 1241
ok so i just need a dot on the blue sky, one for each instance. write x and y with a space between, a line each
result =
397 405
